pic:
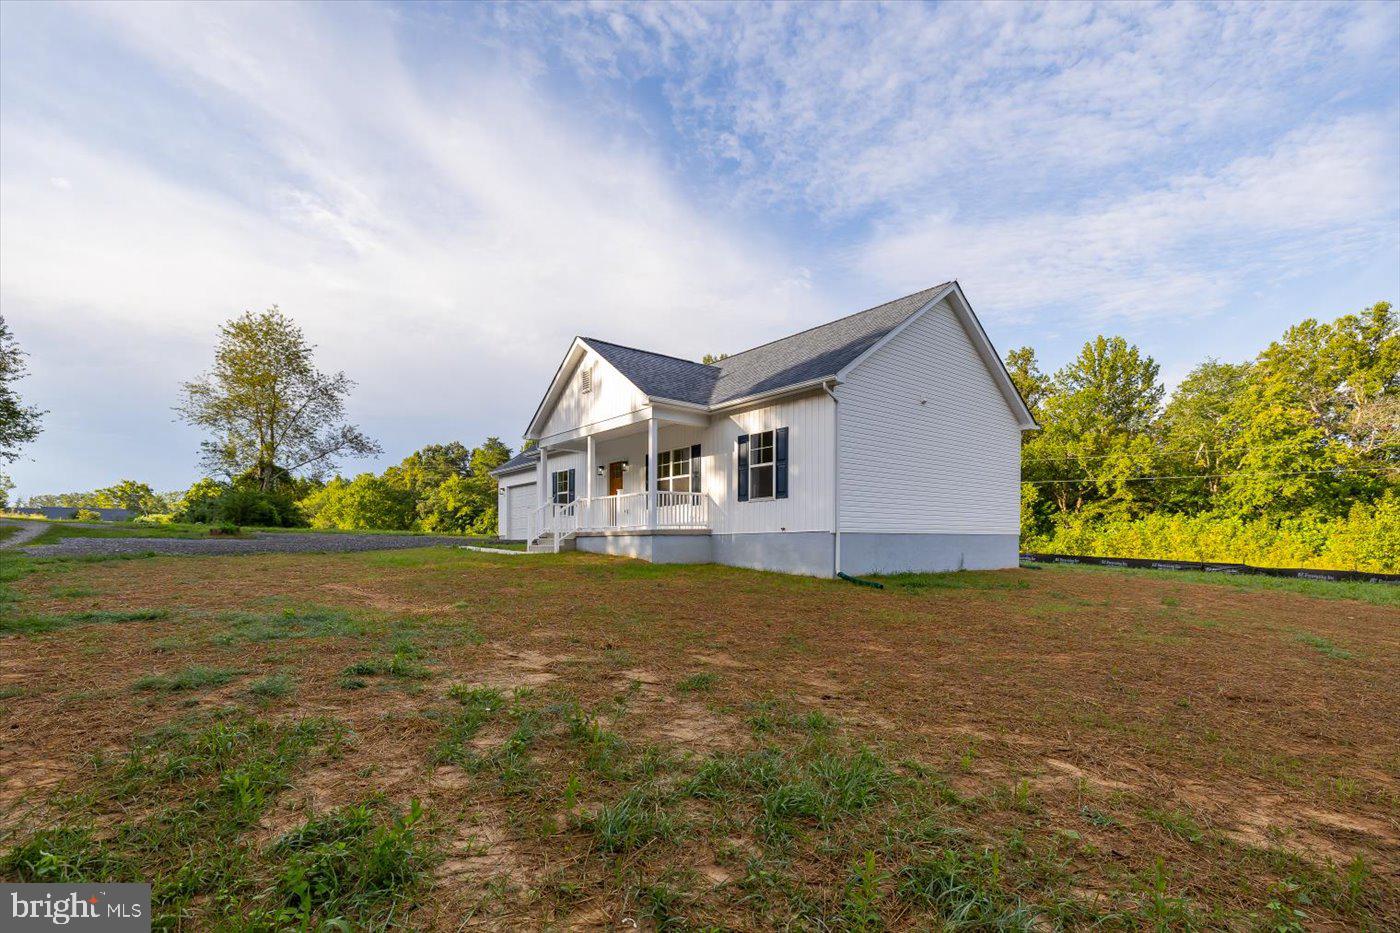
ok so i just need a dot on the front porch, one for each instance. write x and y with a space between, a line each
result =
639 478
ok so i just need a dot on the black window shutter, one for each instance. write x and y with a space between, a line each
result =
646 472
743 467
573 490
780 448
695 468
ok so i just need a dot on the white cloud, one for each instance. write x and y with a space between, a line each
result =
852 107
1325 194
435 245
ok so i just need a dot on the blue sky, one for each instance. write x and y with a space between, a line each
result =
444 194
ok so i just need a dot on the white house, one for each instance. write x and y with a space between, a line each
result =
886 441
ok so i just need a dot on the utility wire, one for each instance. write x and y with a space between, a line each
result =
1122 453
1138 479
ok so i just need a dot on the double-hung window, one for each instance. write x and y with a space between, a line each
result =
761 461
763 465
562 487
673 470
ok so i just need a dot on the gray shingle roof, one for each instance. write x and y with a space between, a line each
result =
658 375
523 459
813 354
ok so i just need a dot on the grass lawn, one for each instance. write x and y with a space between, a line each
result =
442 738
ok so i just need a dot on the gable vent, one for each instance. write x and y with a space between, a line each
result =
585 381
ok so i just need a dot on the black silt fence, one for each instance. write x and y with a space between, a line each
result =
1210 567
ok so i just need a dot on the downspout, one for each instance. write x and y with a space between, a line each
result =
835 477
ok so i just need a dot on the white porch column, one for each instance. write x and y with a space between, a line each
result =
590 461
651 473
541 478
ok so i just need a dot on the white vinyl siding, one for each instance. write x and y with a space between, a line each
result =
809 502
610 394
928 441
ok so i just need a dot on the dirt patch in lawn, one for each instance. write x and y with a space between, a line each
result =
1110 735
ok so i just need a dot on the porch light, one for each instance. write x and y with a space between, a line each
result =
602 470
626 465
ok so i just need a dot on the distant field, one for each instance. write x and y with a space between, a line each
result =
440 738
61 530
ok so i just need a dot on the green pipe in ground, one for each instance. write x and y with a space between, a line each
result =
859 582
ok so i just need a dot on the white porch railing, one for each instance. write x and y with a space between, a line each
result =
557 518
626 511
682 510
630 510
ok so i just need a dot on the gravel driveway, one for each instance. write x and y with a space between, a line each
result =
28 531
254 543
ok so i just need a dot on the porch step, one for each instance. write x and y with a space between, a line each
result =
546 545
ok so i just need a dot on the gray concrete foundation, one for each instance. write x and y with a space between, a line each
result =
811 553
863 554
658 547
803 552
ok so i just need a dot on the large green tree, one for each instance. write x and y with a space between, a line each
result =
442 487
1097 416
367 501
128 494
1196 435
1034 385
1317 425
456 491
426 469
19 423
271 412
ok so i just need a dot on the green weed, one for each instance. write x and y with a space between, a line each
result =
860 909
964 890
639 817
194 677
209 786
271 687
313 622
1324 645
1179 824
36 624
696 683
479 704
347 868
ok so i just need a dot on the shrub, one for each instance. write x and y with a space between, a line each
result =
367 501
87 515
1367 539
199 503
209 502
159 518
247 507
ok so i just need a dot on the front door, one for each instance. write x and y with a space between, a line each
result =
615 477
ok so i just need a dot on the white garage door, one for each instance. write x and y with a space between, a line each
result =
520 502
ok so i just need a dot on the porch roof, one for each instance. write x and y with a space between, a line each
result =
521 461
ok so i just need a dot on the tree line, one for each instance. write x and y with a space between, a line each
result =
1291 458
